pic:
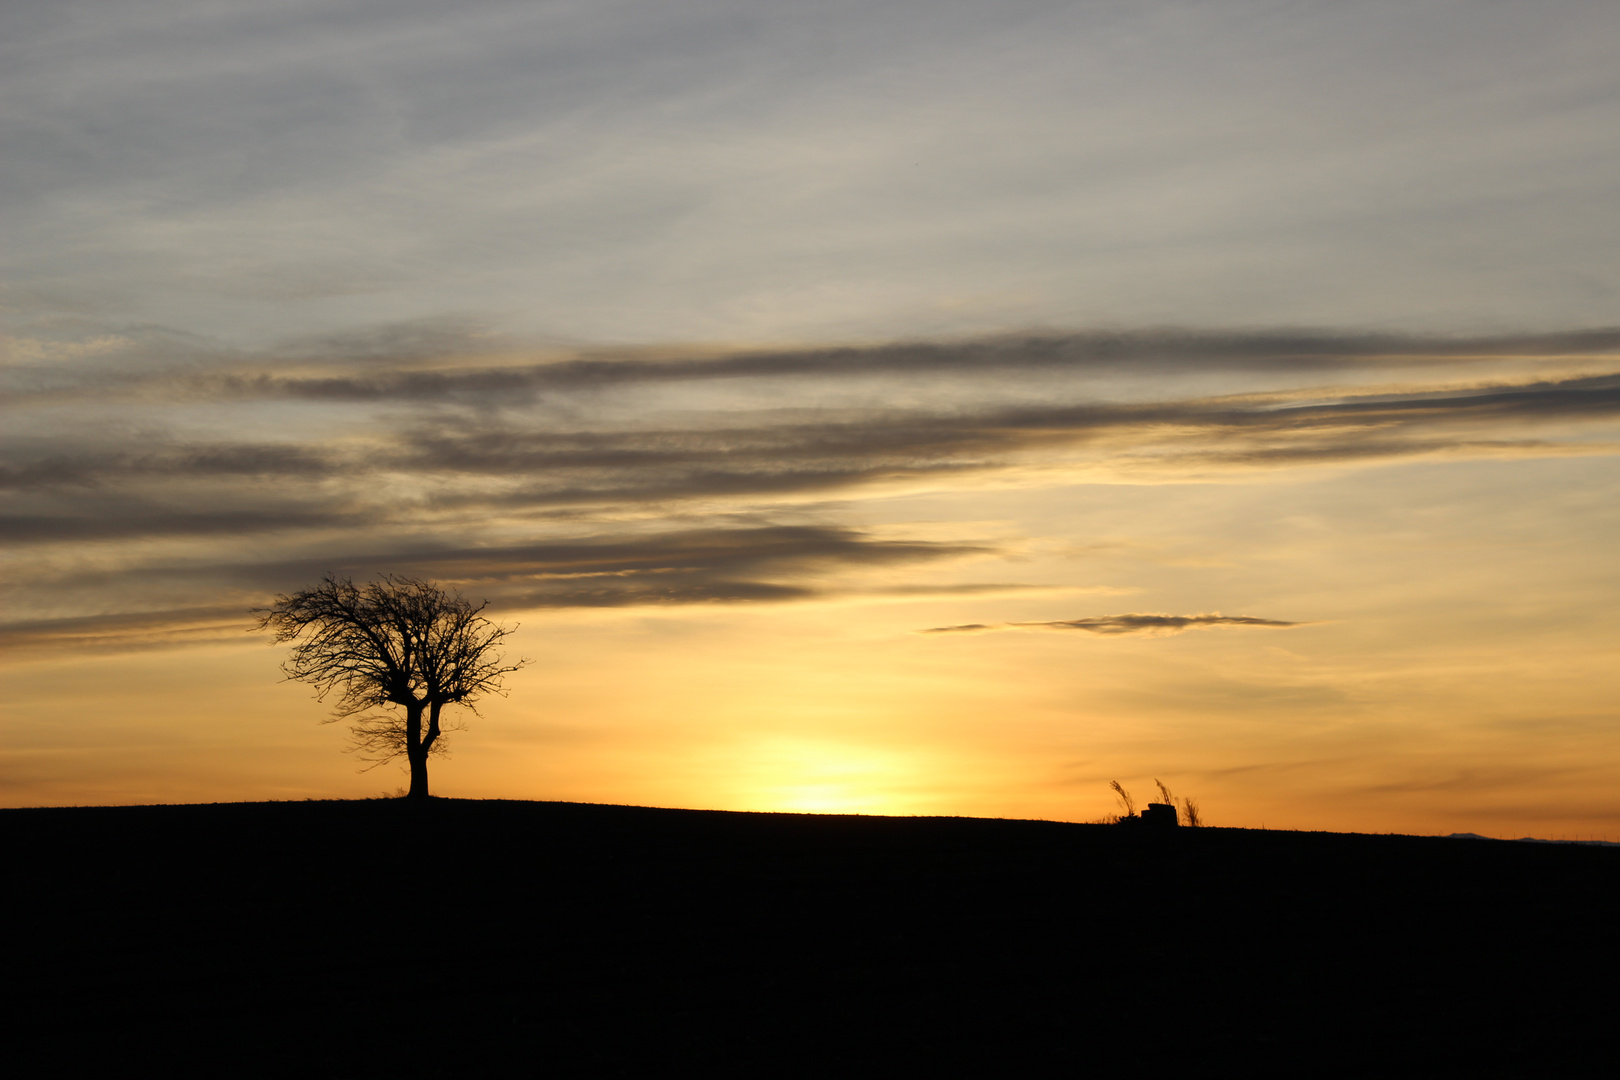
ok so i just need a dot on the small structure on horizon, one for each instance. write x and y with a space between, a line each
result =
1163 814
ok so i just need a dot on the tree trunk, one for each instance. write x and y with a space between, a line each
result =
415 752
419 788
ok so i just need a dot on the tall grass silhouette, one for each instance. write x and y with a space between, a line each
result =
1187 810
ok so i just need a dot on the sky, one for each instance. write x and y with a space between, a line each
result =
894 408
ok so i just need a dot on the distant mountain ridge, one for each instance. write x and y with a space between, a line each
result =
1530 840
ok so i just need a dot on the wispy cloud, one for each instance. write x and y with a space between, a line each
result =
768 563
592 483
408 470
450 363
122 632
1113 625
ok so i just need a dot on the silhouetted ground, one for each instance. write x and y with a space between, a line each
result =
462 938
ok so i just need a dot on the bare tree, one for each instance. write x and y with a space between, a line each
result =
397 641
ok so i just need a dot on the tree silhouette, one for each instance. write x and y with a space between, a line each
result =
397 641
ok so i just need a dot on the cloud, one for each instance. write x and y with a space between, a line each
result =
126 519
768 563
653 484
88 481
26 472
647 172
885 441
1113 625
449 361
773 562
122 632
902 437
1168 351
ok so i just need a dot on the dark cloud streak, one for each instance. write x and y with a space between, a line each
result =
768 563
186 462
1116 625
1171 350
444 364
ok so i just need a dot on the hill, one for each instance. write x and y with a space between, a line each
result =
462 938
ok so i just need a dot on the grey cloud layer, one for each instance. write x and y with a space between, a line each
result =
757 171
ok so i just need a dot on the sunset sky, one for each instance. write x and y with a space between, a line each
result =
881 407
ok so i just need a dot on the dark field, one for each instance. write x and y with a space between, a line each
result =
494 938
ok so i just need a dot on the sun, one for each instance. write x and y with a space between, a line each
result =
815 777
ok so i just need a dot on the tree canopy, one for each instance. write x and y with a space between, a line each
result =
394 642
